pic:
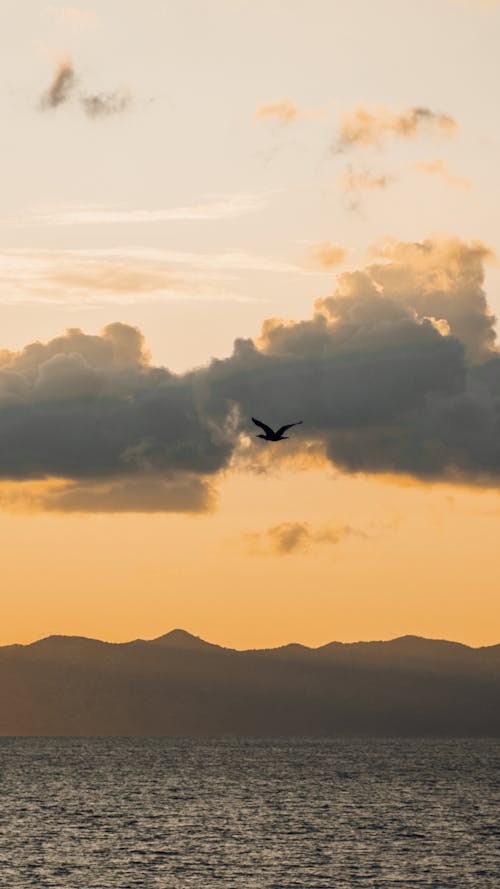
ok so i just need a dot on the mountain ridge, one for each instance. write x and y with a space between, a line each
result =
178 637
180 685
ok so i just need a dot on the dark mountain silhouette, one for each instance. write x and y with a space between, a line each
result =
181 639
180 685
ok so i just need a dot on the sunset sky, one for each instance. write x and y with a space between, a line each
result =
218 209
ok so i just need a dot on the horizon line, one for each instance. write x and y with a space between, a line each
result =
293 643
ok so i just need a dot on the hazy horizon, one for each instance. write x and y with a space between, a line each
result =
291 642
180 686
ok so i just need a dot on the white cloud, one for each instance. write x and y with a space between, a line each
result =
129 275
217 207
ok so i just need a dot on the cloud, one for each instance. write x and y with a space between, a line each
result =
213 208
354 182
285 111
326 255
105 104
185 493
62 86
438 168
289 536
293 537
397 371
149 494
364 180
128 275
95 105
124 436
80 278
442 279
370 127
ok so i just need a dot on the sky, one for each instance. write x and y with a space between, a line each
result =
226 209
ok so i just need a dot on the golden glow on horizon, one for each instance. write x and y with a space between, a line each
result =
414 566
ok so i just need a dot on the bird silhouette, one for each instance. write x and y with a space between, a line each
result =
270 434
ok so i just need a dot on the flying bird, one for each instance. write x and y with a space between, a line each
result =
270 434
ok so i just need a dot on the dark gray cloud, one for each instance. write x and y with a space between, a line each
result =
63 84
105 104
148 493
91 408
396 371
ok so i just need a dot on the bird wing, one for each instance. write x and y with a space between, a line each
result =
267 429
288 426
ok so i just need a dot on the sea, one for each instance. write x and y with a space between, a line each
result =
123 813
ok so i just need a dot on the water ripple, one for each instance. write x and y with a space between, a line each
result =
127 813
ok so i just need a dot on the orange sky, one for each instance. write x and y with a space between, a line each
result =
203 168
421 560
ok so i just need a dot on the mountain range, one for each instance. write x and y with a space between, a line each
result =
180 685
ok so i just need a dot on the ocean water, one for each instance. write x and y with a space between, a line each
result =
326 814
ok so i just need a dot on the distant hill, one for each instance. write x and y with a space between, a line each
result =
180 685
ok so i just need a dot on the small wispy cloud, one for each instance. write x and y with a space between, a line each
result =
438 168
62 85
227 207
370 127
86 278
285 111
293 537
326 255
364 180
129 275
95 105
353 182
105 104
